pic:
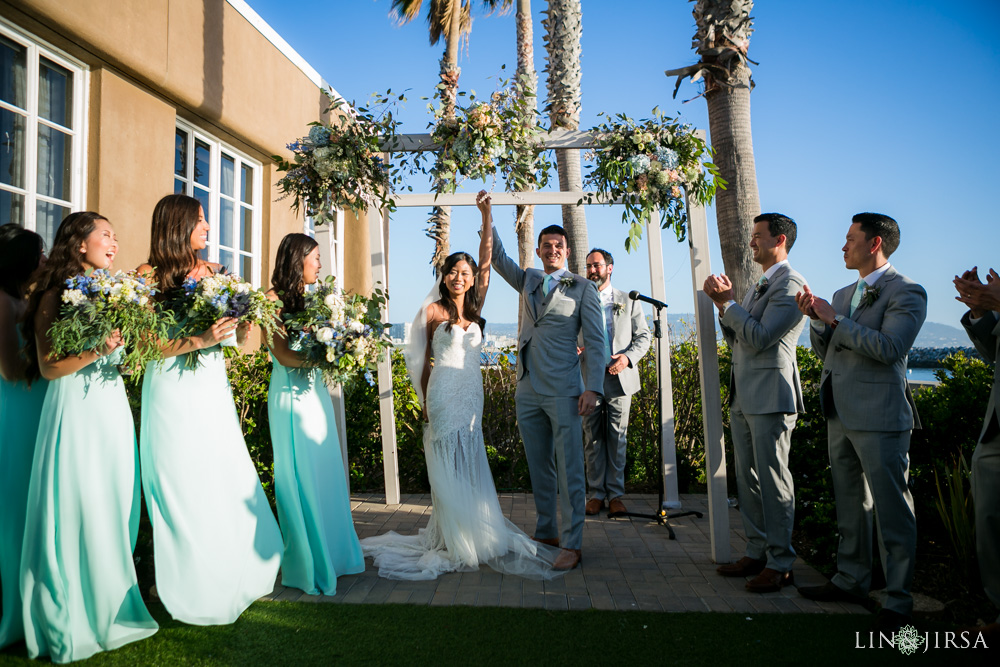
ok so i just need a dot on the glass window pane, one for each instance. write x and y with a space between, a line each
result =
246 268
228 172
13 73
11 208
203 196
48 217
179 188
181 153
202 156
246 185
12 140
54 162
226 236
55 93
226 260
246 229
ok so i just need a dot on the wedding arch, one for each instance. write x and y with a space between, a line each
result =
698 243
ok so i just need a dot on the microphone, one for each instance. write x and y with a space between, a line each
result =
635 296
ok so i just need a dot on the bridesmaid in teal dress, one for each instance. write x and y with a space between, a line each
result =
20 408
216 544
314 507
78 583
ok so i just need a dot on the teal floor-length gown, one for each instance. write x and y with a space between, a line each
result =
78 582
20 409
216 544
314 506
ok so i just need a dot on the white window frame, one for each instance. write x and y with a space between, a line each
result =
330 235
217 146
38 48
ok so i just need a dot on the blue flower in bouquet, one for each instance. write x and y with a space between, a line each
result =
640 163
189 286
668 157
319 135
369 378
239 305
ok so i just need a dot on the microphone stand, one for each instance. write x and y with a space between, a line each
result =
661 517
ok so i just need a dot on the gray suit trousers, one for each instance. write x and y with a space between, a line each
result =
552 432
986 497
870 470
767 492
604 434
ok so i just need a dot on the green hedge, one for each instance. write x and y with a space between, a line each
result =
951 413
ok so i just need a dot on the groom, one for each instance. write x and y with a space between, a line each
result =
552 396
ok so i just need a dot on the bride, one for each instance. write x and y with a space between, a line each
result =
466 526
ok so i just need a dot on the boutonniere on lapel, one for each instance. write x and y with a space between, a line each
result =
567 281
618 308
869 295
761 287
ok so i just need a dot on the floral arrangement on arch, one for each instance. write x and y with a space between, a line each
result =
339 163
649 164
484 137
94 305
341 334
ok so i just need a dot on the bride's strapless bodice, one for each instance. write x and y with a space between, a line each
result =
455 387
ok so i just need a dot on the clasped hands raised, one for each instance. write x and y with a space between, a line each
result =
978 296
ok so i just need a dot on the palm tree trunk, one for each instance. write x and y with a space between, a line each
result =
739 203
525 215
564 26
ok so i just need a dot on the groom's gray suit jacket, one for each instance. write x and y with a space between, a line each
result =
546 347
864 358
763 333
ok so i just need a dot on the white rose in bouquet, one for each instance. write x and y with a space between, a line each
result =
324 335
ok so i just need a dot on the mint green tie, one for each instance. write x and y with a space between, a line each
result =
858 291
607 341
545 284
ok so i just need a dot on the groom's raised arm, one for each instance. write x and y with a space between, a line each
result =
592 332
508 269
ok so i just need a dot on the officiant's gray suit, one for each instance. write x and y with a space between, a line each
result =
606 430
765 395
549 383
870 414
985 334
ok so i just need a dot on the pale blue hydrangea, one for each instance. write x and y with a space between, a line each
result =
319 135
640 163
668 157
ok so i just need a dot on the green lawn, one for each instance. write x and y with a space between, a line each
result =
282 633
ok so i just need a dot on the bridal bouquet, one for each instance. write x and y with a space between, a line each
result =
201 303
651 164
94 305
341 334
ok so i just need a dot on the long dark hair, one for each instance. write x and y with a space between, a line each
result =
65 261
20 253
471 306
287 279
170 251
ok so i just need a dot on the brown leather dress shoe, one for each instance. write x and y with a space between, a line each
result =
551 541
744 567
616 507
567 559
594 505
770 581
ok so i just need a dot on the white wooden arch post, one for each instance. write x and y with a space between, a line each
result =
707 350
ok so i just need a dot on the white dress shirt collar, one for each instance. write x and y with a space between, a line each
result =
774 269
873 277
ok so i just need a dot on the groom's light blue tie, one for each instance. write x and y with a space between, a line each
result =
607 335
858 291
545 284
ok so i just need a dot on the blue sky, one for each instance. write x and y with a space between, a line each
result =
887 106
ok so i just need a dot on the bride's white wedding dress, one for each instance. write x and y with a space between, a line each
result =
466 526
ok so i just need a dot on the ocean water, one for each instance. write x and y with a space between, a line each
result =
923 374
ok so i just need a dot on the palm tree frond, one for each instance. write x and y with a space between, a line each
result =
404 11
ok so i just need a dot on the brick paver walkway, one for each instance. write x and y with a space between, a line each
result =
627 564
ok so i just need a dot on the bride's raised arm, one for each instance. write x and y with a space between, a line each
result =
485 244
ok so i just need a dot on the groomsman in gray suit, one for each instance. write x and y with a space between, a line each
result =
982 322
765 396
863 338
604 431
551 397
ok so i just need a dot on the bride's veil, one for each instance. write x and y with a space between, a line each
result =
416 350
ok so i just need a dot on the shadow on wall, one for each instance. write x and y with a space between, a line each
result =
213 30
